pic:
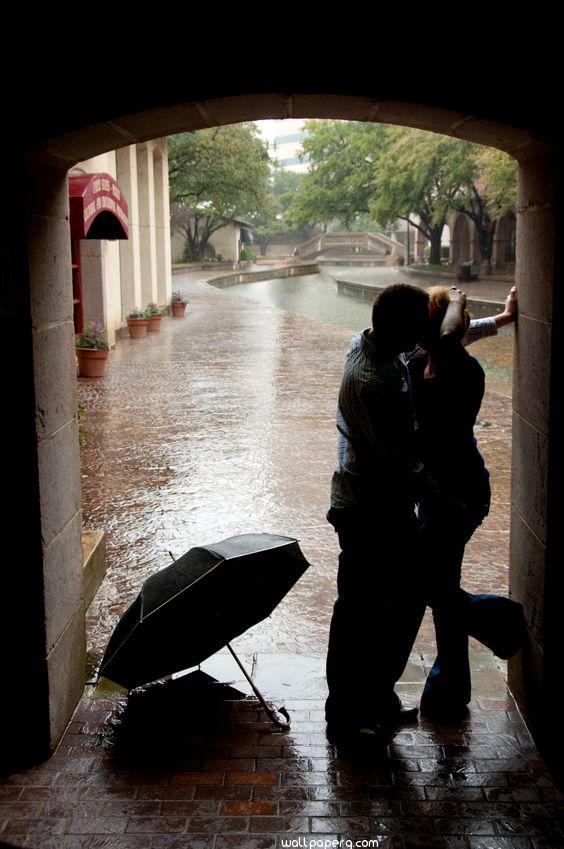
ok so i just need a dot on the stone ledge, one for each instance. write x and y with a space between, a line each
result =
94 564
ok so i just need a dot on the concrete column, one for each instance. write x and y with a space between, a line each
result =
93 290
498 247
101 284
474 245
162 223
459 244
537 576
42 624
420 242
147 234
130 250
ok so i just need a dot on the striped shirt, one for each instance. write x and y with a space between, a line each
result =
377 425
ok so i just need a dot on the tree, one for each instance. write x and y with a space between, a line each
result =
420 173
488 194
216 175
339 182
270 221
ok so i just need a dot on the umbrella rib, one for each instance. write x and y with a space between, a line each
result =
223 560
164 604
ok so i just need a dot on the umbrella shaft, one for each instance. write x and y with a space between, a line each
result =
259 695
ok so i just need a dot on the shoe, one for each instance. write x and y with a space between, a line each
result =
400 716
403 716
353 735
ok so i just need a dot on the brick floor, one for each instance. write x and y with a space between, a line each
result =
477 784
204 432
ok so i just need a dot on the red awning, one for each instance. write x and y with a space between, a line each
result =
98 209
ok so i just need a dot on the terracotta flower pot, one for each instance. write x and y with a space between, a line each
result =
178 309
137 327
154 323
91 361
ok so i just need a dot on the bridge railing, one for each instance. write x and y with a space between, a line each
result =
367 241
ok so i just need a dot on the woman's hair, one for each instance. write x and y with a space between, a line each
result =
439 299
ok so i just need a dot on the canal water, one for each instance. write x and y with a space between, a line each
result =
316 296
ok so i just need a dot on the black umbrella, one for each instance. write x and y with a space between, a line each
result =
196 606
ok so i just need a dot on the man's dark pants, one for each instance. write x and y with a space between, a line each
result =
377 613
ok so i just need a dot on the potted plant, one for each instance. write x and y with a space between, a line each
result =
178 303
246 257
155 314
138 323
92 350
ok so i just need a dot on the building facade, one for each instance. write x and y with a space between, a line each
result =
119 275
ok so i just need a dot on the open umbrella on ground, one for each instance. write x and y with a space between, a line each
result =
198 604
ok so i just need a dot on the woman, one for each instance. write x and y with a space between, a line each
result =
448 387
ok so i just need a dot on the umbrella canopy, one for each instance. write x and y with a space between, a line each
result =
193 608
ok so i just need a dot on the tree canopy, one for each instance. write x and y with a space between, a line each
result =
420 174
363 172
216 175
339 182
271 221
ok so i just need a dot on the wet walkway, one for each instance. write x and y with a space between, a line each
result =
222 424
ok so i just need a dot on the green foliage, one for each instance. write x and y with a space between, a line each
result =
488 195
153 309
93 336
82 434
339 183
420 174
367 176
139 314
216 175
246 255
271 221
178 298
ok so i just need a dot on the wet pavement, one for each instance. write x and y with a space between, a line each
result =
223 423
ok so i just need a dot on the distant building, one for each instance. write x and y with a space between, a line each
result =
285 140
224 244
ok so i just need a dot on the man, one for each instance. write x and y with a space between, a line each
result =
373 495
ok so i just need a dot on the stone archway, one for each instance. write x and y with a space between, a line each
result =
47 618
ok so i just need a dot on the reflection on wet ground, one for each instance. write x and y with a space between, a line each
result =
223 423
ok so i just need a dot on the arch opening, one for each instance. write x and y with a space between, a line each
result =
65 151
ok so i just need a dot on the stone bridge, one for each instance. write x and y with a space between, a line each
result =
389 249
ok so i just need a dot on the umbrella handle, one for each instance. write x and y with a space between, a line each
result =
271 713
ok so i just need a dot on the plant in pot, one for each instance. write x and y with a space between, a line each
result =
138 323
92 350
246 257
178 304
155 314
